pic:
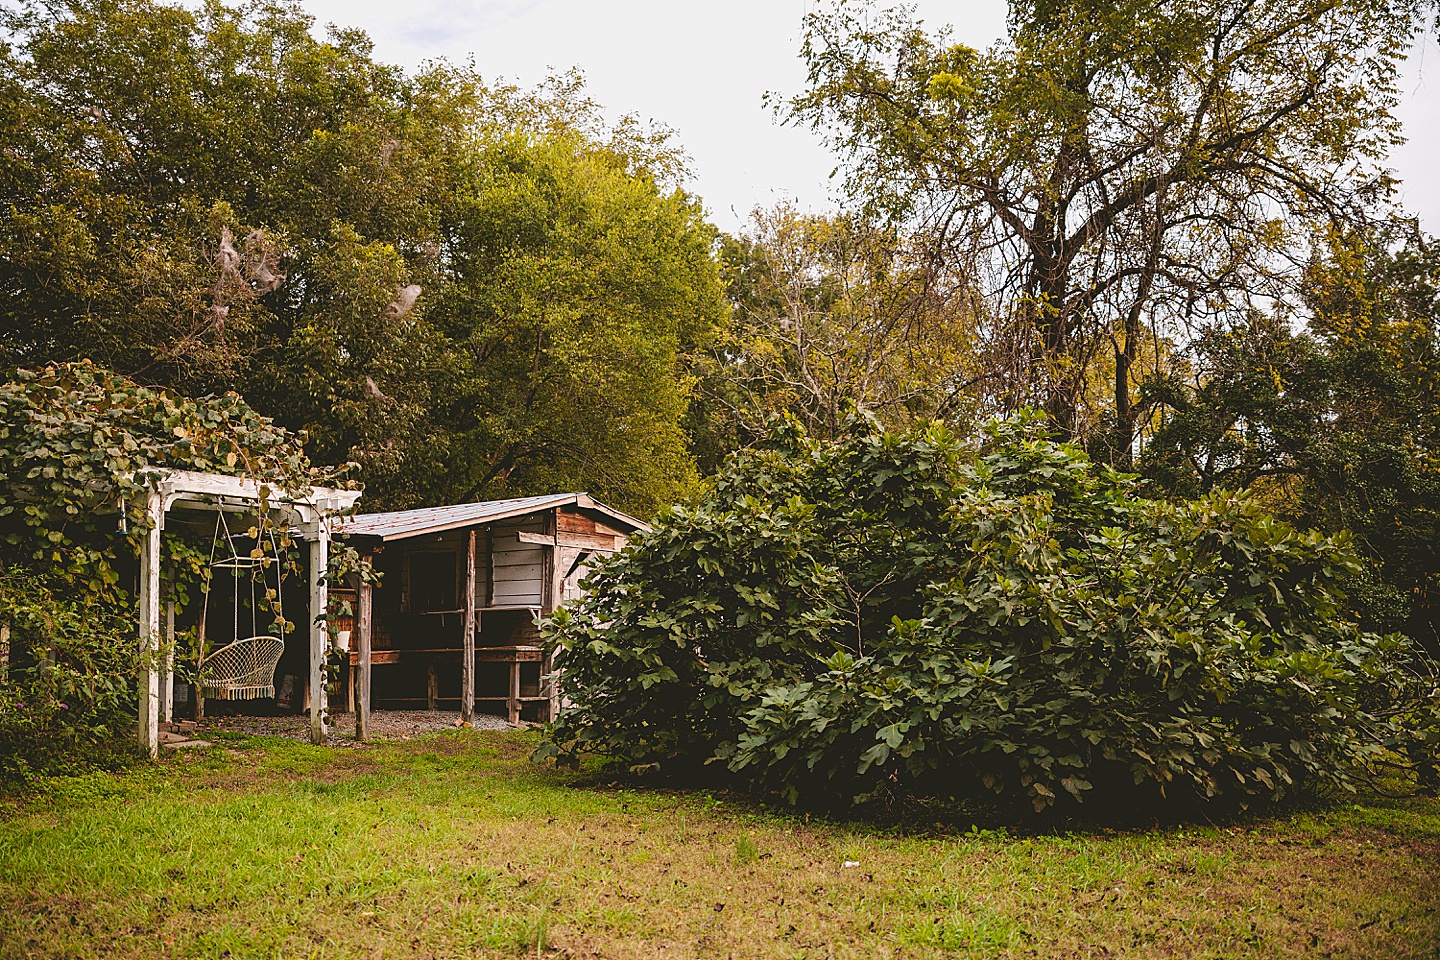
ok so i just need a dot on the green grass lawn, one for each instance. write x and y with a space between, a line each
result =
455 845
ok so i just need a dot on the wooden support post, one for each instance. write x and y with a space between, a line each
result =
149 733
432 687
553 572
349 684
549 565
467 654
363 616
200 655
552 686
167 681
514 691
319 633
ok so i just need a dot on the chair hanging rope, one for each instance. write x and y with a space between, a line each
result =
243 669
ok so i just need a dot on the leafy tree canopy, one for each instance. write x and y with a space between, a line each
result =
469 289
830 313
1111 175
893 615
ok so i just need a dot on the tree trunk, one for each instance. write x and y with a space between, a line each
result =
1123 437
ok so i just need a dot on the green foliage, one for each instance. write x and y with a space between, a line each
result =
69 685
1338 426
577 288
894 615
468 289
75 442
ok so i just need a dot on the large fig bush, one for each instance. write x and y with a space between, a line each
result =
894 616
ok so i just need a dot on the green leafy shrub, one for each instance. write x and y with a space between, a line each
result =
902 615
68 685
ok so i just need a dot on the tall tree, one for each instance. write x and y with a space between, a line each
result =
1114 172
471 289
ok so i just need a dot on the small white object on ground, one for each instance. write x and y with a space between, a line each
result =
850 863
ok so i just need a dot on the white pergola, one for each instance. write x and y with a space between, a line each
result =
183 489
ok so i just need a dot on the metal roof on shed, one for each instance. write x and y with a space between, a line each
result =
402 524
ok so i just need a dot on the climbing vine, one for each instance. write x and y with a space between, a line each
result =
79 446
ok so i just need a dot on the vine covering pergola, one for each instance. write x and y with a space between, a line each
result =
308 512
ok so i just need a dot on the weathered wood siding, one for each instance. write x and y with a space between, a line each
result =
581 537
519 567
482 569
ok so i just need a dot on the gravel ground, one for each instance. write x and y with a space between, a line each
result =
384 724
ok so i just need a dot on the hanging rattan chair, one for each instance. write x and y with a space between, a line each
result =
243 669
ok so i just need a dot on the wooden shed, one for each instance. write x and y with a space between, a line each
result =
453 621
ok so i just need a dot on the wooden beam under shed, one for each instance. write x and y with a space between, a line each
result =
364 615
467 655
514 701
586 541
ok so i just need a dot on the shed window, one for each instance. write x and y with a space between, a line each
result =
432 582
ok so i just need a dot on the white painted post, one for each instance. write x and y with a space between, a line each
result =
319 635
167 681
150 627
363 618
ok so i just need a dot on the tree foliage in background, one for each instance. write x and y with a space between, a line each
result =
892 616
469 289
578 289
1110 175
1338 427
831 313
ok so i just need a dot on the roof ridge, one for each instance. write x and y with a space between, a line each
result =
467 503
399 524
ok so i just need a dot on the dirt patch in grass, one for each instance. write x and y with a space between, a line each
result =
455 845
384 725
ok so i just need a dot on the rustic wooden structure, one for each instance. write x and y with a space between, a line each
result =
462 590
310 513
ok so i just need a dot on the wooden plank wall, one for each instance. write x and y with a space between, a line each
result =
519 567
482 570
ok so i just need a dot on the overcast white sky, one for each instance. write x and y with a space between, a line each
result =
703 68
